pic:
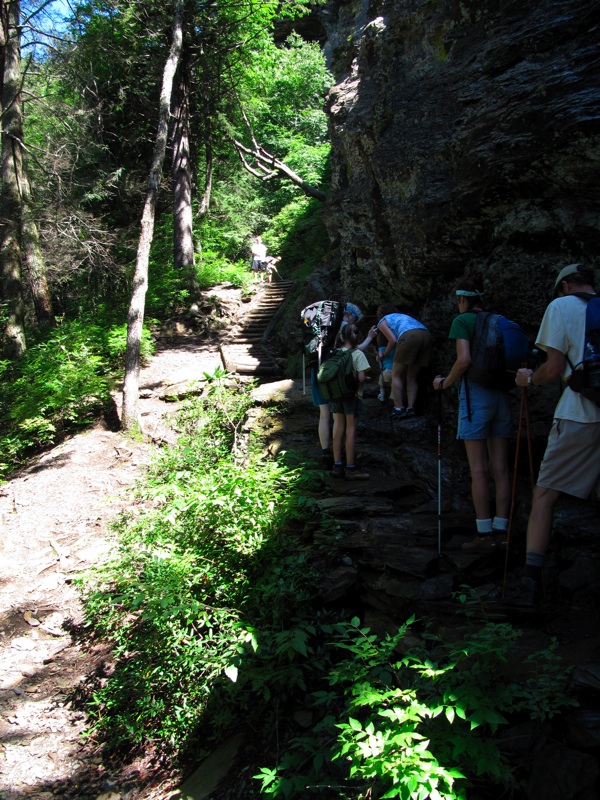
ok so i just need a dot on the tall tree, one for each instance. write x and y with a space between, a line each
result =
33 259
181 175
135 320
11 170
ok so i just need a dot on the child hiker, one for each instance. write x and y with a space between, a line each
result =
345 412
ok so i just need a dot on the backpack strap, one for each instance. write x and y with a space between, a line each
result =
477 311
587 296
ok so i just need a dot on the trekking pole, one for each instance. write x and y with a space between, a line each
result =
523 412
439 447
528 432
303 372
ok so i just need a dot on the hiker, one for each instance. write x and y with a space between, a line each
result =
271 266
346 412
571 463
259 255
386 364
410 342
484 423
351 316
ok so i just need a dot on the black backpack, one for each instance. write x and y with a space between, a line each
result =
499 348
321 323
585 376
336 377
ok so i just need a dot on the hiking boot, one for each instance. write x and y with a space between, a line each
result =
326 460
480 544
338 471
526 595
410 412
354 474
500 537
398 413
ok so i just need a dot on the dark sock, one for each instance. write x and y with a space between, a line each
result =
534 563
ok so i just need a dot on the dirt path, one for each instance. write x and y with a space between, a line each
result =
54 518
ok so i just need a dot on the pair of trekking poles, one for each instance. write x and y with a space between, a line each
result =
523 414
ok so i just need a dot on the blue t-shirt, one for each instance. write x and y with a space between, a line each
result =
399 324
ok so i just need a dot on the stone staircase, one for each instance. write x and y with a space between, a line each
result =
245 350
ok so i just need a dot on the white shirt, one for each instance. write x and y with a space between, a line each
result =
563 329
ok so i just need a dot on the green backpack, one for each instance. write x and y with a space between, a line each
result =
336 377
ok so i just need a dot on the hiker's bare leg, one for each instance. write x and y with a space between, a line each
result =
339 428
539 527
412 385
478 465
498 461
398 373
350 438
324 426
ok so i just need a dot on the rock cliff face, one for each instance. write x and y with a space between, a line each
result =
466 137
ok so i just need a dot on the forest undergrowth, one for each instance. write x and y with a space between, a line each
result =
212 610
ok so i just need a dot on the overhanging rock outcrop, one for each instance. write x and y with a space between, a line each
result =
465 136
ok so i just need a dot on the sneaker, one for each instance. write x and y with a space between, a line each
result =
480 544
410 412
356 475
526 595
338 471
398 413
381 397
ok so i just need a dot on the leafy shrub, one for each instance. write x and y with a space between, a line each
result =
116 344
59 384
214 269
201 600
419 726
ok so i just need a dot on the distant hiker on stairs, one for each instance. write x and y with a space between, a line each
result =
259 256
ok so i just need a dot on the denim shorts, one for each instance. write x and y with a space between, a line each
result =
490 413
317 397
353 406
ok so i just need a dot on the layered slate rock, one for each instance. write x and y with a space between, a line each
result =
465 136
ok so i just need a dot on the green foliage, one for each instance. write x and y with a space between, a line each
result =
59 385
298 234
214 269
204 601
415 727
115 338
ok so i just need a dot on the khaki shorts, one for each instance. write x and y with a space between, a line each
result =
571 463
414 348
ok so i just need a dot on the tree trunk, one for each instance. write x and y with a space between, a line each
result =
181 171
33 258
11 166
135 319
208 169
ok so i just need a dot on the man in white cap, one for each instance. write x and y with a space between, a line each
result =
571 463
